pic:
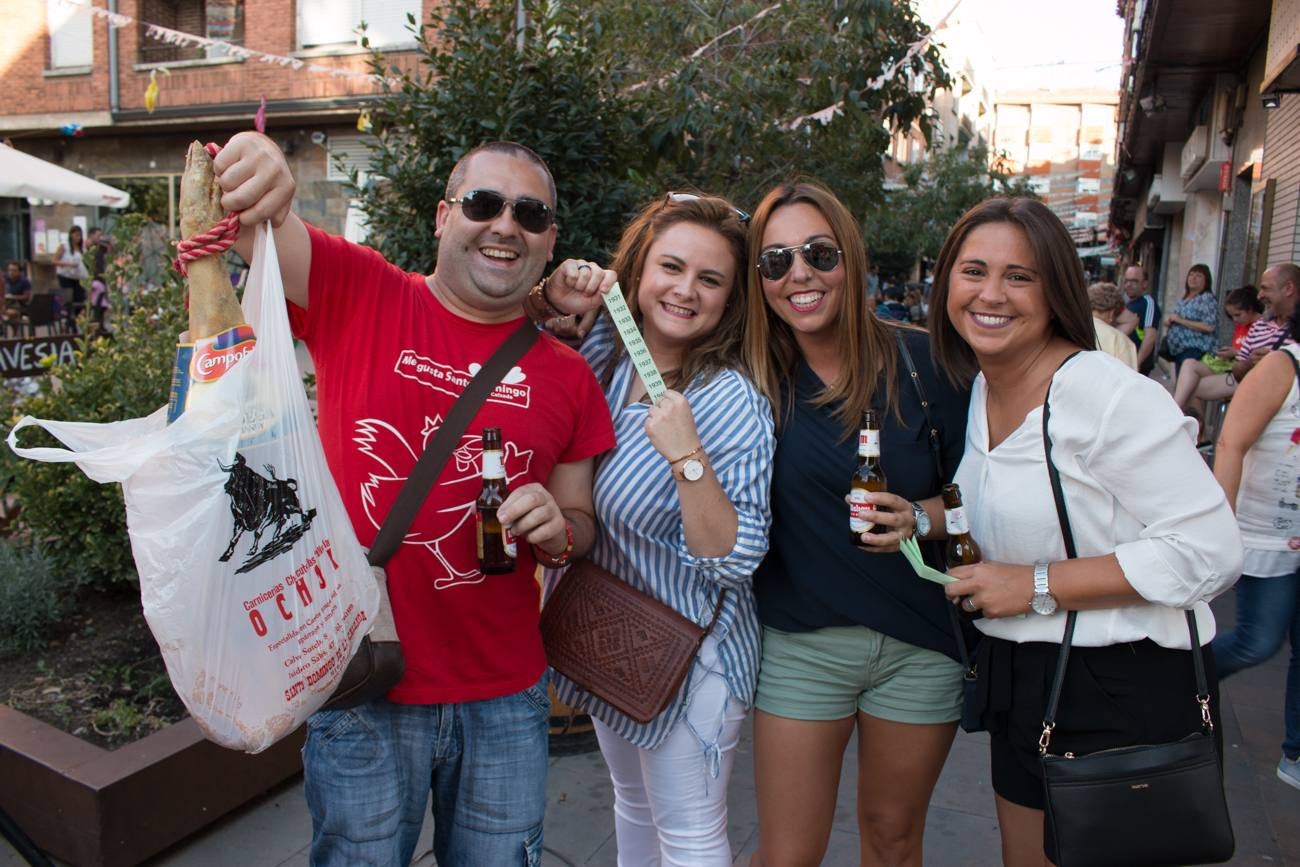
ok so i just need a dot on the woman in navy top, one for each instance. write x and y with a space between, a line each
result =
682 503
852 638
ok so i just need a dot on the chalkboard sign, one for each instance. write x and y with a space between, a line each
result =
22 356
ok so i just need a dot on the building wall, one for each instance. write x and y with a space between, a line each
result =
31 92
1065 145
1282 165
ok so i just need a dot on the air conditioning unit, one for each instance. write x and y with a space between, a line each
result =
1166 195
1153 194
1195 152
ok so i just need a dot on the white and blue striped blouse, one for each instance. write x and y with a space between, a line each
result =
642 540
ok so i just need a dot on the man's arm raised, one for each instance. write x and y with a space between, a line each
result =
256 181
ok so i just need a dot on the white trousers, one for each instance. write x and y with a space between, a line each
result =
669 809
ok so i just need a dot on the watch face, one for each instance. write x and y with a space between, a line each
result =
1043 603
922 521
693 470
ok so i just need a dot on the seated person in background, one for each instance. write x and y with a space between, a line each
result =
893 308
18 291
1210 377
1278 289
914 298
1107 305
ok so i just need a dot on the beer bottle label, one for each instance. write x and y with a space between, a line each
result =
859 509
493 465
509 542
955 521
478 533
869 443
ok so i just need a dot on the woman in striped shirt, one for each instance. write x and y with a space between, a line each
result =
682 503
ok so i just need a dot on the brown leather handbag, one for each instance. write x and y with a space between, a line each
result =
623 646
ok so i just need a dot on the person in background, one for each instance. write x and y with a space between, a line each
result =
1143 326
914 299
1189 329
1107 303
853 641
894 308
1210 377
1258 465
1279 290
1010 306
682 505
70 267
101 246
18 291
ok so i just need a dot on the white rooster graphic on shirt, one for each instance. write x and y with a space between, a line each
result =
394 458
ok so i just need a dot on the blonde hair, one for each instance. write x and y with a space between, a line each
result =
866 344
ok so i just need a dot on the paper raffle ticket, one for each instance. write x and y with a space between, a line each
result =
636 348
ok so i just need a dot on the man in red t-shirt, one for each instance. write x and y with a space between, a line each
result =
393 350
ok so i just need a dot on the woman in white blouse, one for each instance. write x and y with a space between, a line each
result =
1153 530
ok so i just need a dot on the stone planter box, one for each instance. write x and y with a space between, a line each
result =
91 807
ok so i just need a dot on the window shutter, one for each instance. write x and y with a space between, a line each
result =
327 22
71 36
352 150
386 21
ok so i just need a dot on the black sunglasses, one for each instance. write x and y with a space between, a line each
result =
743 216
483 205
776 263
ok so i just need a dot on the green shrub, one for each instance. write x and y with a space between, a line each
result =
81 524
30 601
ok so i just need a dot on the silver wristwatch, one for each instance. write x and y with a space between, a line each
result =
922 521
1042 602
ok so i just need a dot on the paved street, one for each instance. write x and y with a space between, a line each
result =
961 829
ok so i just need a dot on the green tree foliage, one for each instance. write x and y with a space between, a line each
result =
81 524
481 82
739 97
627 99
912 222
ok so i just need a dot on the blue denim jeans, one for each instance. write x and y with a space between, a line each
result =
1268 610
369 770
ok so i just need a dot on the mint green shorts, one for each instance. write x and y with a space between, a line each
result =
831 673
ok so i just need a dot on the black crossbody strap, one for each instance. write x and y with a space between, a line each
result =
1063 518
429 466
936 453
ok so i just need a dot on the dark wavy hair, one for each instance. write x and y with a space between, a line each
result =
1245 298
1059 268
1204 271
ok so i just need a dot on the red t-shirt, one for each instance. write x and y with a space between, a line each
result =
390 361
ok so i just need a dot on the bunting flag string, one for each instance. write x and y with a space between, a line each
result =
189 40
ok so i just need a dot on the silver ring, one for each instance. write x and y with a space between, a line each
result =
968 604
584 265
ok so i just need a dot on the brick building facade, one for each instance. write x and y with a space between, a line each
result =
62 66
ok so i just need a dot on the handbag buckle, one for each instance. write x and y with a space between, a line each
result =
1204 702
1045 738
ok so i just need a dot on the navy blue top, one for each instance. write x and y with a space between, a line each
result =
1148 313
813 576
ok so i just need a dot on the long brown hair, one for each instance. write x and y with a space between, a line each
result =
1058 264
722 347
866 344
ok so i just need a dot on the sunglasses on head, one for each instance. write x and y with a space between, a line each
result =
776 263
743 216
484 205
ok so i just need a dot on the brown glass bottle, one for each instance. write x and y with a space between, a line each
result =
867 476
961 550
496 547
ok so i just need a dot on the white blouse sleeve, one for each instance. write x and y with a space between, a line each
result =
1189 549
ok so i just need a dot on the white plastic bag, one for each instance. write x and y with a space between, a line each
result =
252 579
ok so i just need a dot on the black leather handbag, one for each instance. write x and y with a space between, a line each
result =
1146 805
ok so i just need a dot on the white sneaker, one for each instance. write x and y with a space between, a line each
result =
1288 771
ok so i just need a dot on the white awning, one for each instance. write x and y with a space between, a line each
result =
27 177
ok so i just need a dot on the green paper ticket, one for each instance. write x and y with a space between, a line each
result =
636 348
912 551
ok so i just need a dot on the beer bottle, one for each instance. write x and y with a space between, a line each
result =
496 547
961 549
867 476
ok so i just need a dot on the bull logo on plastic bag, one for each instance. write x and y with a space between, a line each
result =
259 504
